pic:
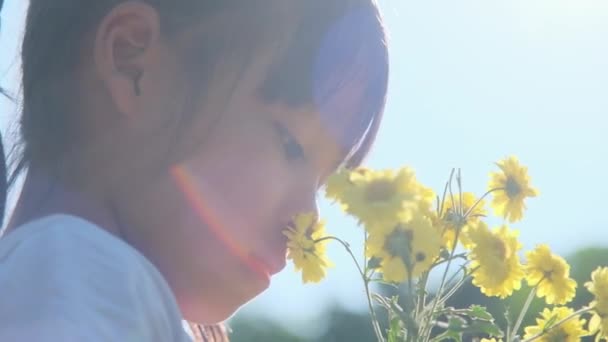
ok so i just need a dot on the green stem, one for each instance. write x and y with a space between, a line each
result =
443 261
481 199
427 326
365 250
445 191
459 181
422 296
523 312
456 274
452 196
347 247
457 286
573 315
375 323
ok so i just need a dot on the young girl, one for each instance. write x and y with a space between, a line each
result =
168 143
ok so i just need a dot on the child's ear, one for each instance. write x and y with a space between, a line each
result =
126 44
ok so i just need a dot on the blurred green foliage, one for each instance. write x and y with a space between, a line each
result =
339 325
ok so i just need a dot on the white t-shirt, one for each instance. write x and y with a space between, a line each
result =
64 279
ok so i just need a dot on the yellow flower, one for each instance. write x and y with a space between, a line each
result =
569 331
453 209
598 326
453 217
338 184
514 185
411 242
308 256
552 274
383 195
494 259
598 286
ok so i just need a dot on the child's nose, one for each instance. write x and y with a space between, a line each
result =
314 207
305 203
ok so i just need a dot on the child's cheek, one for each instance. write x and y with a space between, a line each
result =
242 190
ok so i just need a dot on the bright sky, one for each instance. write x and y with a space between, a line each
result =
472 81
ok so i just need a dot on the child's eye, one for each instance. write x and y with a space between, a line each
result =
293 149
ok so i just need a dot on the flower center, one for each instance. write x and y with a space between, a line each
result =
557 335
420 257
512 187
399 244
501 250
454 219
380 191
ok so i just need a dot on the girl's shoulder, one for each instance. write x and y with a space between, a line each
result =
67 278
55 233
68 240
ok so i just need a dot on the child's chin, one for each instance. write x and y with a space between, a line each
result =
221 307
218 315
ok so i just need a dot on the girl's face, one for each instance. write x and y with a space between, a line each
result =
206 195
213 221
212 218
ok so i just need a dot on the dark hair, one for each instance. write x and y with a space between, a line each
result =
3 182
337 42
3 185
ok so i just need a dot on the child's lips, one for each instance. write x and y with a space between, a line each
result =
270 263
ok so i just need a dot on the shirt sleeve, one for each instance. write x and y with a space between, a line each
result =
65 285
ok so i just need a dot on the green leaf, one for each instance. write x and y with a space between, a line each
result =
456 323
410 324
384 282
382 301
394 331
473 320
477 311
449 335
487 327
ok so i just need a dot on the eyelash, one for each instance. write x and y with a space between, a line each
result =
293 150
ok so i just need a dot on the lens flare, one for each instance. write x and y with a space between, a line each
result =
187 184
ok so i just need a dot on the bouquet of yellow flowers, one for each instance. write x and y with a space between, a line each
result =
410 231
